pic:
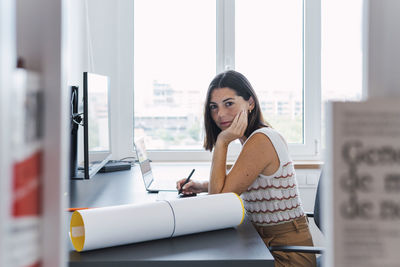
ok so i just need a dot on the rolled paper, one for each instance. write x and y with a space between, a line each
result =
207 213
119 225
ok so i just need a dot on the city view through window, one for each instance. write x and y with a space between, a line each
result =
175 60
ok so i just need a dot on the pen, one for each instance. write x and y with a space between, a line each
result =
186 181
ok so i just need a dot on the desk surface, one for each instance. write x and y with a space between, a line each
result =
237 246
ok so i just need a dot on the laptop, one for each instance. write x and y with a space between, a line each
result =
151 183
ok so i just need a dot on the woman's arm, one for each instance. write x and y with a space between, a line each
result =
218 168
257 156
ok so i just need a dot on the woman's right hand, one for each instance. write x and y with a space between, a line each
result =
191 187
235 130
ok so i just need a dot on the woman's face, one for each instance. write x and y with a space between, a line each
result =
224 105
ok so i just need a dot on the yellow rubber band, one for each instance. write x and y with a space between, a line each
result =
243 210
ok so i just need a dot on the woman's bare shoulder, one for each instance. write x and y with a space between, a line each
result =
258 138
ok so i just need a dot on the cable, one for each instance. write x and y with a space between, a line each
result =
131 162
134 159
75 117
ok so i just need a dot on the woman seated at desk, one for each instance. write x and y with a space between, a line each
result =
263 174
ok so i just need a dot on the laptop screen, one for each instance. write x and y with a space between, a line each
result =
144 162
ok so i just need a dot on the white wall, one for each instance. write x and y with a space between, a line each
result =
383 57
308 181
101 41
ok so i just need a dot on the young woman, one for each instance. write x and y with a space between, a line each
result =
263 174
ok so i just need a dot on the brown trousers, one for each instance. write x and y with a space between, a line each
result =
294 233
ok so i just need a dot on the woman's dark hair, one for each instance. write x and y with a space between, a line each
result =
239 83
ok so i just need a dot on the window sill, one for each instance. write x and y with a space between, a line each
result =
308 164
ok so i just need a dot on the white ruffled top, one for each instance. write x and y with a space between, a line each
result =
274 199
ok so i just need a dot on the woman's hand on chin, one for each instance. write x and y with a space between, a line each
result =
236 129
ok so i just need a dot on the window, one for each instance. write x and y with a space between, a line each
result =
271 56
180 45
174 60
341 52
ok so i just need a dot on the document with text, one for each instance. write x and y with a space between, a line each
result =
362 183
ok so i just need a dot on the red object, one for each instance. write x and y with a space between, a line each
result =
26 184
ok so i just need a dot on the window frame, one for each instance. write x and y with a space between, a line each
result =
225 53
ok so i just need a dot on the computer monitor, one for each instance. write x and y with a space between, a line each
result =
96 125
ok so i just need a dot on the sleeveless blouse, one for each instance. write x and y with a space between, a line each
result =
274 199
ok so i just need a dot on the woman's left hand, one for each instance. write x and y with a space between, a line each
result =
236 129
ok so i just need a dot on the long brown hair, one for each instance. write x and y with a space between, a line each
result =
239 83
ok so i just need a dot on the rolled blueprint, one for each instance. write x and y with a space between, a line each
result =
126 224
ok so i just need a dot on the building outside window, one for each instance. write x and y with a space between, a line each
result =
180 45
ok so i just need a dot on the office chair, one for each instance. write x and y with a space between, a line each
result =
317 219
